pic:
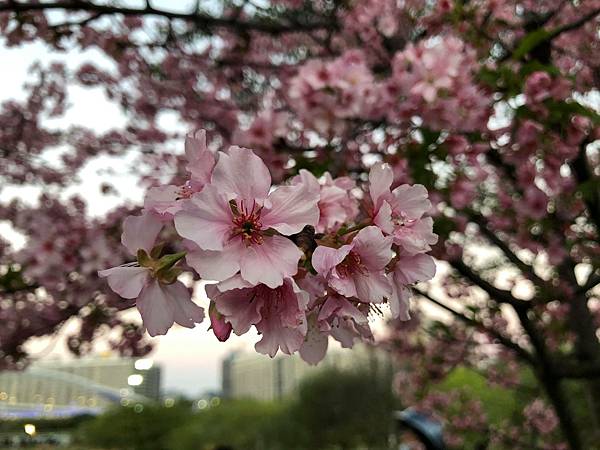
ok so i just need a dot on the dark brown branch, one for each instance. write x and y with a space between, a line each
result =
583 175
550 380
574 25
505 341
496 294
525 268
592 281
202 20
579 370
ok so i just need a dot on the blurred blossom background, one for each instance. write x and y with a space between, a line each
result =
492 105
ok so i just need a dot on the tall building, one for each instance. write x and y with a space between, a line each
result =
86 385
251 375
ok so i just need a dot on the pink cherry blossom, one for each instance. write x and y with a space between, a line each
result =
408 270
357 269
333 315
165 201
400 213
160 305
235 222
278 314
336 202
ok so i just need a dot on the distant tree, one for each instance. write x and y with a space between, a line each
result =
134 428
233 425
345 409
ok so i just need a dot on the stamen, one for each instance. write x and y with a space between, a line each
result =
351 264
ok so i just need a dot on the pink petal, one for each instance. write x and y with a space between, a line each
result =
201 160
186 312
380 181
140 232
240 307
372 288
218 323
127 281
345 334
383 218
291 209
206 219
314 348
399 301
411 201
307 179
163 200
156 308
276 336
343 285
241 174
217 265
374 249
270 262
235 282
413 269
324 259
341 307
417 237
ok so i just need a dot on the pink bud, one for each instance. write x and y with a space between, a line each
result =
221 328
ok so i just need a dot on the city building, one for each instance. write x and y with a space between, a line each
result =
88 385
252 375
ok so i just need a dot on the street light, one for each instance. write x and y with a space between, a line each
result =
29 429
135 380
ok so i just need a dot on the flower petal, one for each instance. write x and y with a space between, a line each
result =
372 288
127 281
374 249
241 174
277 336
240 307
217 265
163 200
324 259
206 219
399 301
156 308
411 201
270 262
201 160
140 232
291 209
315 343
185 312
380 181
413 269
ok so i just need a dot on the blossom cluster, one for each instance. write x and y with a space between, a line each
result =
300 262
432 80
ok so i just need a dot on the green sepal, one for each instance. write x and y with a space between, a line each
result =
168 261
143 258
157 250
169 276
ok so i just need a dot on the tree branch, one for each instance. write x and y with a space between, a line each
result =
506 342
499 295
202 20
525 268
